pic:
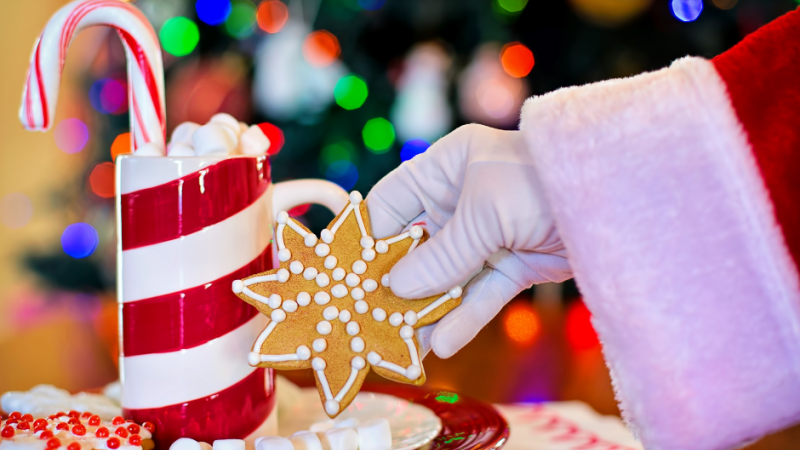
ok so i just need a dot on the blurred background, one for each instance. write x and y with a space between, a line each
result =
346 90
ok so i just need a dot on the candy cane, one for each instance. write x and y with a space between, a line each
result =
145 69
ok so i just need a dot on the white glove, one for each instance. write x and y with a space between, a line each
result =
487 215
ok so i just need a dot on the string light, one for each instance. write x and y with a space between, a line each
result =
121 145
275 136
71 135
378 135
213 12
512 6
517 59
321 48
179 36
521 323
686 10
272 16
79 240
241 22
578 327
16 210
413 148
350 92
102 180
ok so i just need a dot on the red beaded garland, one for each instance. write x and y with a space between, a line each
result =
27 418
134 429
15 415
135 440
101 432
24 426
62 426
46 434
11 421
74 421
74 413
79 430
74 446
39 423
54 443
118 420
8 432
39 428
61 413
94 421
113 443
149 426
121 432
86 415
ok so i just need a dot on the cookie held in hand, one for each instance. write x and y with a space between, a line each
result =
331 308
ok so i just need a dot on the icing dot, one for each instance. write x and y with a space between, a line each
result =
345 316
319 345
413 372
357 344
385 280
330 262
253 358
274 301
303 298
238 286
283 217
358 363
303 353
323 280
331 407
352 280
367 242
406 332
368 254
278 316
284 254
357 294
283 275
322 249
290 306
369 285
339 291
359 267
381 246
327 236
310 240
338 274
361 307
353 328
379 314
415 232
318 363
455 292
411 318
396 319
374 358
355 197
330 313
296 267
324 328
322 298
310 273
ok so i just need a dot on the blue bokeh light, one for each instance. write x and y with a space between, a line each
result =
686 10
213 12
371 5
413 148
79 240
342 172
108 96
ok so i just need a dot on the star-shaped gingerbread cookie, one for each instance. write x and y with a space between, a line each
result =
331 308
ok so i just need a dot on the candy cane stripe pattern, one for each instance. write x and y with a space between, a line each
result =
145 68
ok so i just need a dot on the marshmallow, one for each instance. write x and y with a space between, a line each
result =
253 141
374 435
182 134
205 446
178 150
185 444
213 138
321 426
273 443
242 127
229 444
226 120
149 150
305 440
340 439
350 422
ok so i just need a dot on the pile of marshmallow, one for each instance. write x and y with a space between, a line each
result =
347 434
222 135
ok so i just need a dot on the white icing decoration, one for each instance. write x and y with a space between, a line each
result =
385 280
381 246
322 298
439 301
283 217
369 285
303 299
355 197
284 254
357 344
330 262
396 319
415 232
374 358
310 240
323 280
238 286
358 363
353 328
413 372
290 306
411 318
331 406
379 314
283 276
319 345
324 328
338 274
278 316
455 292
330 313
406 332
359 267
352 280
368 254
274 301
397 238
322 249
303 353
367 242
339 291
310 273
327 236
318 363
344 316
261 279
361 307
413 246
253 358
357 294
296 267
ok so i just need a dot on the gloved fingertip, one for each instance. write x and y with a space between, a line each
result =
408 281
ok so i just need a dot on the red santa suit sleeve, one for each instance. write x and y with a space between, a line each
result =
677 196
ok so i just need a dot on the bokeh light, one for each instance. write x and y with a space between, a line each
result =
102 180
512 6
413 148
610 13
16 210
71 135
344 173
79 240
578 328
686 10
350 92
179 36
241 22
275 136
121 145
272 16
378 135
371 5
321 48
728 4
109 96
517 59
521 323
213 12
337 151
299 210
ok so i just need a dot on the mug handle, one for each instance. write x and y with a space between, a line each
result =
288 194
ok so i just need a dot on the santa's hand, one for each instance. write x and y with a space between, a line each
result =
479 186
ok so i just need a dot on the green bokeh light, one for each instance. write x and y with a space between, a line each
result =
378 135
241 22
337 151
446 397
350 92
512 6
179 36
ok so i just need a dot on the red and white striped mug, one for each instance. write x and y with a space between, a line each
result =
187 228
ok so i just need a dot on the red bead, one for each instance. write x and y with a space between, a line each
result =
79 430
121 432
27 418
8 432
101 432
74 421
74 446
54 443
62 426
11 421
52 417
86 415
74 413
39 428
24 426
61 413
134 429
94 421
46 434
39 423
113 443
15 415
135 440
149 426
118 420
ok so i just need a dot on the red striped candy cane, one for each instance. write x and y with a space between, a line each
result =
145 69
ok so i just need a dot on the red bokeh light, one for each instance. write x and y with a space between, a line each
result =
517 60
275 136
521 323
321 48
272 16
579 329
121 145
299 210
102 180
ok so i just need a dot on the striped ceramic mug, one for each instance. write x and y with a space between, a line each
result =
188 227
